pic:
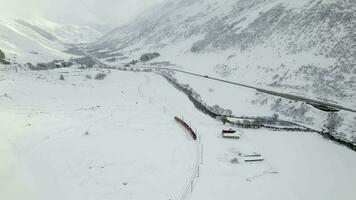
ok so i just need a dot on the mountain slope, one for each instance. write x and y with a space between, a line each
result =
71 34
39 40
301 46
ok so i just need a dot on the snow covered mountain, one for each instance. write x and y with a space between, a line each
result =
304 46
40 40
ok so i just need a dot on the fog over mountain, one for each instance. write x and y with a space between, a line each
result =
101 14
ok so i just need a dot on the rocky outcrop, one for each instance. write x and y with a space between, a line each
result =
149 56
2 55
2 58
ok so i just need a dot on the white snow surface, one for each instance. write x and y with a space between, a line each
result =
37 40
134 149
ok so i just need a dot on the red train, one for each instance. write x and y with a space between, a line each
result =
190 130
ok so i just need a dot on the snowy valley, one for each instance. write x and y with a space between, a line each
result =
35 40
305 48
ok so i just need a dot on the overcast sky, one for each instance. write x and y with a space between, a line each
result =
89 12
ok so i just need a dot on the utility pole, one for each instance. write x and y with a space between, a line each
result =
201 151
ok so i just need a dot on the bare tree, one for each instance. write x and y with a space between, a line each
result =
333 122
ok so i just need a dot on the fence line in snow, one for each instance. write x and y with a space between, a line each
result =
193 179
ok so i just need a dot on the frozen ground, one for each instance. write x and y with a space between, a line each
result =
133 148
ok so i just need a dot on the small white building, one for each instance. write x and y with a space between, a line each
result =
230 133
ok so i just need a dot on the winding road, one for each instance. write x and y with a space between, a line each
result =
321 105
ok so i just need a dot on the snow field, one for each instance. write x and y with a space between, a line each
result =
135 150
132 150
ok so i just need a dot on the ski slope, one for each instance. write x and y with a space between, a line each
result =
117 139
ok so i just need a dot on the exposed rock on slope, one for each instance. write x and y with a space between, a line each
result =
2 55
2 58
148 56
